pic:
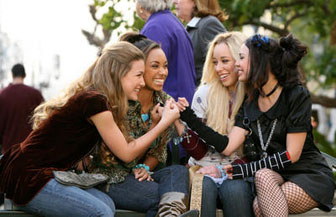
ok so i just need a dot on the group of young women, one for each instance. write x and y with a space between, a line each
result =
118 113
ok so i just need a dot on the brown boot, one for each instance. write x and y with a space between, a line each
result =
172 204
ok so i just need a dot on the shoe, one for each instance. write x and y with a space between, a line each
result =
190 213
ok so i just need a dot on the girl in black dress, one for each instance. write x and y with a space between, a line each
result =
290 174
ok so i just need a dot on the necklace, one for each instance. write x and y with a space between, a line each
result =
265 146
145 117
272 91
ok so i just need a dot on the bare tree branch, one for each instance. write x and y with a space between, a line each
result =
92 39
280 31
93 11
324 101
295 16
326 9
291 4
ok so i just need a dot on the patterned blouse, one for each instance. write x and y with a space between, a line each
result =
105 162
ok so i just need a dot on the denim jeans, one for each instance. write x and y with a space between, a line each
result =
235 196
59 200
145 196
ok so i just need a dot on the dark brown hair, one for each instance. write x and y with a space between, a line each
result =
281 58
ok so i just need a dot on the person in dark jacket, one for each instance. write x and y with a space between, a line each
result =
204 21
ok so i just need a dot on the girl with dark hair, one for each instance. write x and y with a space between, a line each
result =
290 174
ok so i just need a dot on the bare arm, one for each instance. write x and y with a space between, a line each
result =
179 126
295 142
152 162
116 141
236 139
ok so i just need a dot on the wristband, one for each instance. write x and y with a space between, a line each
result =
277 161
222 171
138 166
210 136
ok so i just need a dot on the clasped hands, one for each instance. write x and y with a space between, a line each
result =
142 174
170 104
212 170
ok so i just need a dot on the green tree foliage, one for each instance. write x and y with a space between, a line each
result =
312 21
109 17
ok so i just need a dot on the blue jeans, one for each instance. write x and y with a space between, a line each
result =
145 196
235 196
56 199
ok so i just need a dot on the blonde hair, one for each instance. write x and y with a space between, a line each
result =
218 98
103 76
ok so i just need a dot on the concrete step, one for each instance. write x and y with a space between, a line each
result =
127 213
314 212
317 212
119 213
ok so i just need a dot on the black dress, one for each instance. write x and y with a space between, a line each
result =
293 113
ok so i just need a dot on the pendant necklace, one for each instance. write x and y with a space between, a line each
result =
265 146
145 117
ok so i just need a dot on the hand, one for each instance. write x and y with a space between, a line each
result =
228 170
156 114
210 170
170 112
182 103
141 174
81 164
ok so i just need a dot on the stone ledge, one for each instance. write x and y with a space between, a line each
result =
119 213
314 212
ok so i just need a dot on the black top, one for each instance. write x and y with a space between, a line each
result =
293 113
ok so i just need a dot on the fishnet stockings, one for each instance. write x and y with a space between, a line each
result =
278 198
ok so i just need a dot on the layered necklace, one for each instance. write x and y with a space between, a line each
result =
262 144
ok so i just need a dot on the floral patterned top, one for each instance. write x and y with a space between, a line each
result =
105 162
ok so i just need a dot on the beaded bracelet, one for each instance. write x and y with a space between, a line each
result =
184 133
138 166
222 171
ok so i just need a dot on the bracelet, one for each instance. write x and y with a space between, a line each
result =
185 131
222 171
138 166
178 139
